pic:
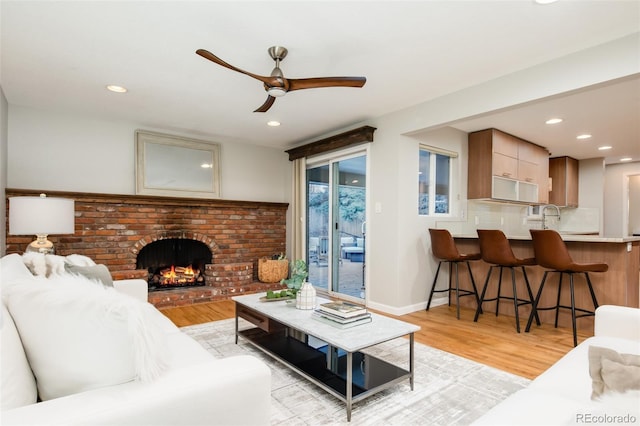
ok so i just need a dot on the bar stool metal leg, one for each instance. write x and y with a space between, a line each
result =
573 311
450 280
457 293
526 281
558 300
433 286
534 308
515 298
473 284
593 294
499 290
484 291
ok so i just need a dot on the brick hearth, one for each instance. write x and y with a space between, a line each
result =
112 229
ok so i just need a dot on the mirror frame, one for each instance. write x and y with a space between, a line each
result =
204 152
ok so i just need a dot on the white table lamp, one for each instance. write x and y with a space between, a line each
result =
41 216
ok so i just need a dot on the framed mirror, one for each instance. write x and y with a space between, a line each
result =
176 166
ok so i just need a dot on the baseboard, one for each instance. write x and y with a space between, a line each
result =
403 310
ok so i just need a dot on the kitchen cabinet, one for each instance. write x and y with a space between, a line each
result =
563 174
505 167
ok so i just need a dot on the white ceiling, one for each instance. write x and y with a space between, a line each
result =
59 55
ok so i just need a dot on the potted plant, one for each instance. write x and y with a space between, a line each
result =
298 275
304 292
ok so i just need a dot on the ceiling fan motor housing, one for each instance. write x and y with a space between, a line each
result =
278 53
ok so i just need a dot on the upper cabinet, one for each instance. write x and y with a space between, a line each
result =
563 176
504 167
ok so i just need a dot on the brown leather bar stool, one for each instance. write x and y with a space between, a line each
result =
552 253
496 251
444 248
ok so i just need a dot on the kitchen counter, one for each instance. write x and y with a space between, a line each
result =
567 238
618 286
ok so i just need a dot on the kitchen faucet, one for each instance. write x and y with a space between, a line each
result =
544 215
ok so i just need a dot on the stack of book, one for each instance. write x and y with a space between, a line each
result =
342 314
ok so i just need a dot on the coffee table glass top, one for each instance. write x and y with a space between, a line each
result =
380 329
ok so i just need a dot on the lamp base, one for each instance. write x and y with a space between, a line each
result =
41 245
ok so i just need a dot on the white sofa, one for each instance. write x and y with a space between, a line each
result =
562 394
188 387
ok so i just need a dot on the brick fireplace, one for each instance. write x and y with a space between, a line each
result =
114 229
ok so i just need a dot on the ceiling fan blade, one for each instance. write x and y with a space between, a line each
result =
313 83
267 104
268 80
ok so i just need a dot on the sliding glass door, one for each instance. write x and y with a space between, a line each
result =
336 219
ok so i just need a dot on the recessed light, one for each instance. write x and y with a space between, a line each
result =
604 148
583 136
625 159
545 1
554 121
273 123
116 89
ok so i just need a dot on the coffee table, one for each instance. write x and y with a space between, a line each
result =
328 356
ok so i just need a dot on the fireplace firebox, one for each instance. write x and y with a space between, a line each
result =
174 263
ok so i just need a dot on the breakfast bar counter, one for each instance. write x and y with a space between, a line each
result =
618 286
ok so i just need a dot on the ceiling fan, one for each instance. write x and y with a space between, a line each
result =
277 85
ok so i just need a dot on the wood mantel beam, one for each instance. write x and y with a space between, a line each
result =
352 137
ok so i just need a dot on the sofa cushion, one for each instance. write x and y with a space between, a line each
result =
96 272
13 270
16 379
79 260
79 335
569 376
612 371
47 265
36 263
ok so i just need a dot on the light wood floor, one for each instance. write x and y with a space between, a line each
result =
491 341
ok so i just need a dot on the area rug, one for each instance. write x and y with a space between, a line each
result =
448 389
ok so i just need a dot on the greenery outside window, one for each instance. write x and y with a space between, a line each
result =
434 181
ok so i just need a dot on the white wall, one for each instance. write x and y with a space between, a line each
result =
616 208
52 151
3 170
415 256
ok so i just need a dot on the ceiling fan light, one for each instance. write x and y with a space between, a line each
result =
276 92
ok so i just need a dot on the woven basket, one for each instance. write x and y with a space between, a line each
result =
272 271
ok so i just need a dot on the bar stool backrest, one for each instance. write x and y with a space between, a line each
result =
495 247
442 244
550 251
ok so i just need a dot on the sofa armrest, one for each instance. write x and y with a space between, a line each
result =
137 288
617 321
229 391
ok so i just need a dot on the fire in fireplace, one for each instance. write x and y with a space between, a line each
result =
177 276
174 262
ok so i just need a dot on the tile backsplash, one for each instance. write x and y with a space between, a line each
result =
513 219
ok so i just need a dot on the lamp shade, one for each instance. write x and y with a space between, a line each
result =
41 215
